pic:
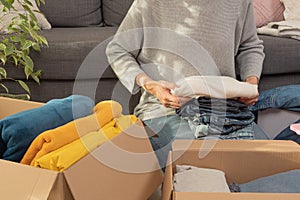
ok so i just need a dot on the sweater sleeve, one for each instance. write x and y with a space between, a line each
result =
250 54
124 48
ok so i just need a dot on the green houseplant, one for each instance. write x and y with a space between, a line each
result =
22 35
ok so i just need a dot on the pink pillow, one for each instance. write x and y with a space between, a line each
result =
266 11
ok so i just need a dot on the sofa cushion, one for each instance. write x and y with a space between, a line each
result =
282 55
114 11
72 13
68 48
266 11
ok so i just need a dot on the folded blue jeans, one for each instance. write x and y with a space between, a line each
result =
223 116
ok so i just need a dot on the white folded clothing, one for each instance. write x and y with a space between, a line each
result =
290 28
193 179
221 87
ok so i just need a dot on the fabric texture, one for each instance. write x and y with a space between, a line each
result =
6 18
53 139
193 179
149 46
167 129
215 87
74 44
266 11
288 134
295 128
282 29
67 155
276 60
72 13
115 11
286 182
19 130
223 117
292 9
284 97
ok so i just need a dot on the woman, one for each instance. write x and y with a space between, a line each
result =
160 42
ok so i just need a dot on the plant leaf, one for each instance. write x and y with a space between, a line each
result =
28 2
2 47
5 88
15 59
24 86
36 47
27 45
27 71
6 3
43 39
28 62
3 59
3 72
35 78
9 49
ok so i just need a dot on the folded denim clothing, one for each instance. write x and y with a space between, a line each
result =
193 179
286 182
19 130
223 116
67 155
284 97
51 140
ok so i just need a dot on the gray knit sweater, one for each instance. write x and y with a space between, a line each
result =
172 39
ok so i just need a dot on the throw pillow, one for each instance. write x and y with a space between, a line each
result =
72 13
266 11
292 9
6 18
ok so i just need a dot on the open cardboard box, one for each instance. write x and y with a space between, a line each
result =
242 161
124 168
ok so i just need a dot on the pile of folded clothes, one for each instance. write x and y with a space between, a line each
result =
193 179
61 132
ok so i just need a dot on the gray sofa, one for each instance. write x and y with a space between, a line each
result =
78 27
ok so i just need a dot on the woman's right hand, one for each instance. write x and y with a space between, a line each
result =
160 89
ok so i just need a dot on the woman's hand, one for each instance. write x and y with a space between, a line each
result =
159 89
250 101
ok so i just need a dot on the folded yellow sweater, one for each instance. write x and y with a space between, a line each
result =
67 155
51 140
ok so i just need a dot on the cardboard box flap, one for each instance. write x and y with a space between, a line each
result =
60 189
127 163
27 182
233 196
235 145
10 106
242 161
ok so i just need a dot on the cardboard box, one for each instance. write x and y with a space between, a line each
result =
124 168
242 161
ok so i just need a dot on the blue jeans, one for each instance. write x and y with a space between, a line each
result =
173 127
285 97
168 129
288 134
